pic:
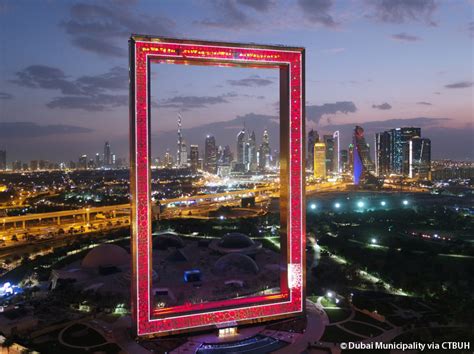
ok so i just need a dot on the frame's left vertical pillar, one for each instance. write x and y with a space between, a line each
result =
133 183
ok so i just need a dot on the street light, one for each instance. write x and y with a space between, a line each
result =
405 202
373 241
329 294
313 206
360 204
383 203
337 205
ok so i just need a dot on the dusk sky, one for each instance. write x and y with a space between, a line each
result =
378 63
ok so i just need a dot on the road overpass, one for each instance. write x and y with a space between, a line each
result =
87 214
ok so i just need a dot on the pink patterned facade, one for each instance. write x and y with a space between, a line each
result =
148 320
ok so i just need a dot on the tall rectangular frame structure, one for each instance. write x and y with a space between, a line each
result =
290 301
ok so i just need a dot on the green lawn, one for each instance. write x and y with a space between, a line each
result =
81 335
359 316
334 334
363 329
336 315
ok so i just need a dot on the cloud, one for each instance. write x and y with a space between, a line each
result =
315 112
46 77
251 81
104 29
424 103
384 106
257 5
460 84
404 37
15 130
188 102
228 16
99 46
5 96
95 103
402 11
317 11
115 79
470 29
89 92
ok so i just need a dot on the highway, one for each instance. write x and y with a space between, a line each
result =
17 230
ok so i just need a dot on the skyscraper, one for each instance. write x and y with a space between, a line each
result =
168 160
362 163
344 154
241 147
252 153
82 163
97 160
329 142
210 155
399 150
227 155
3 160
419 158
264 151
107 155
382 154
194 157
319 163
336 162
313 138
182 152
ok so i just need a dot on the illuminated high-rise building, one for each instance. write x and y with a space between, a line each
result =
194 157
330 152
182 152
210 154
382 154
168 160
97 160
336 162
264 153
313 138
419 152
362 163
252 152
241 147
107 154
344 155
399 149
3 160
226 155
351 157
319 163
82 163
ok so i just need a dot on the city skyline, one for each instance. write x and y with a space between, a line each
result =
370 82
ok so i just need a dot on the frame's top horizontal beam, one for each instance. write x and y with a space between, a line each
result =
150 38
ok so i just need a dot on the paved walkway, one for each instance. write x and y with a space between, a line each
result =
317 321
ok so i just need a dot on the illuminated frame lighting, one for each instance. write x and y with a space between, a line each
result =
149 321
